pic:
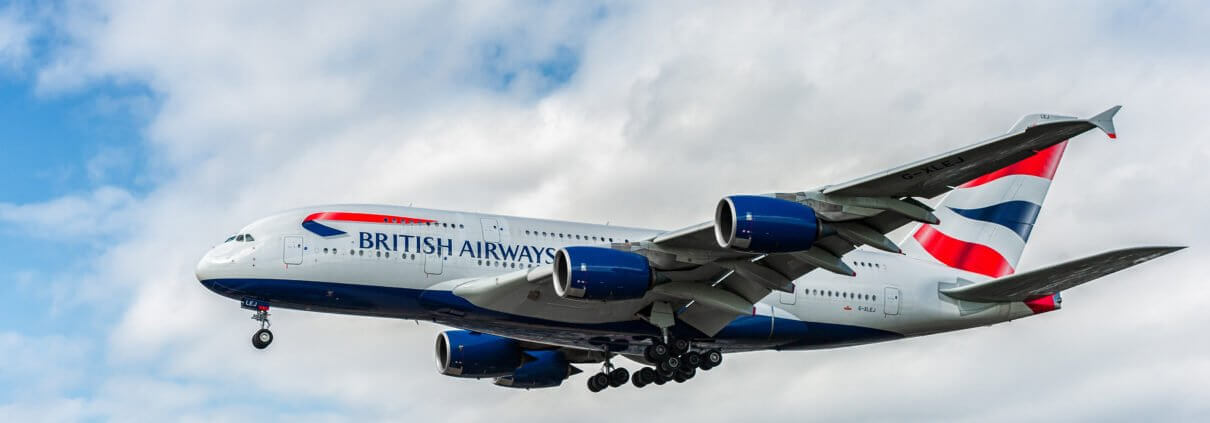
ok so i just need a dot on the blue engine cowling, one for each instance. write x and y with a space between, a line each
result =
765 224
601 274
545 369
462 353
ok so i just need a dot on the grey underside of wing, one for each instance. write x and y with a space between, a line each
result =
1053 279
711 319
938 174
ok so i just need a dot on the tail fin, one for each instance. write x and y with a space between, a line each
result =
986 222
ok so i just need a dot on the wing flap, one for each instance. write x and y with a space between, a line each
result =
1051 280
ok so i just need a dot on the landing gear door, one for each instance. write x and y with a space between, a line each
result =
491 230
292 249
891 301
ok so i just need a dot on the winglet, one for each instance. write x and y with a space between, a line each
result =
1104 120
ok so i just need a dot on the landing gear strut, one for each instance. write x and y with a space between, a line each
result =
263 337
609 376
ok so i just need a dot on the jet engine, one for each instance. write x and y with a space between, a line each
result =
462 353
761 224
546 369
602 274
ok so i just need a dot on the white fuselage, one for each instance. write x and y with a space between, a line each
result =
408 270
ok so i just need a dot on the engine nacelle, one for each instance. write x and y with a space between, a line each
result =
601 274
764 224
546 369
462 353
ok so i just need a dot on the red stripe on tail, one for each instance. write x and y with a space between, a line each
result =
963 255
1042 165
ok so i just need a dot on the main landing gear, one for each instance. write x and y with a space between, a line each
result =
609 377
674 362
263 337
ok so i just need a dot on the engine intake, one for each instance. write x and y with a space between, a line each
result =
601 274
765 224
462 353
547 369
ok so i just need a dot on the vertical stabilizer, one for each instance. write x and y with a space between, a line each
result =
986 222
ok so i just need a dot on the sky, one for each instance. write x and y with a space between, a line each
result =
137 135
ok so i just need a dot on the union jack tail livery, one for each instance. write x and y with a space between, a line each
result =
986 222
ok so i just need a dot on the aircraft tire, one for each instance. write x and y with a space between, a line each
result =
262 338
712 358
619 377
656 352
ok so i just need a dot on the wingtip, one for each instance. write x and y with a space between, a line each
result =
1104 120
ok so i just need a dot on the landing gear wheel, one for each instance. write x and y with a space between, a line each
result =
711 359
262 338
687 374
673 362
619 377
598 382
643 377
679 378
679 346
664 371
691 360
660 379
656 352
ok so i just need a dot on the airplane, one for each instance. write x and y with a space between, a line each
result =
532 298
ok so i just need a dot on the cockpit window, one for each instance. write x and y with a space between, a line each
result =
230 238
248 238
239 238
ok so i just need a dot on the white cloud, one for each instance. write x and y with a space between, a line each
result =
103 211
672 106
15 34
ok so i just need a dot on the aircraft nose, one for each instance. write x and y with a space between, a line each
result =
205 268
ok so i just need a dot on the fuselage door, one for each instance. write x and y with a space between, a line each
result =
292 249
789 298
491 230
891 300
433 263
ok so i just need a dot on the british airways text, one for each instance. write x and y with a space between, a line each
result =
445 247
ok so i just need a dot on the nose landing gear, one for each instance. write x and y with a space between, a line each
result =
263 337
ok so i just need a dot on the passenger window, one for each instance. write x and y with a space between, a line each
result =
361 253
325 250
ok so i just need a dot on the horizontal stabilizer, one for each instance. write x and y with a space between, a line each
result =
1051 280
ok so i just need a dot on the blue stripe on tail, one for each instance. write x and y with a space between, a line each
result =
1018 216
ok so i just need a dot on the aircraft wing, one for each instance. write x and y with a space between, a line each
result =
1060 277
938 174
707 285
